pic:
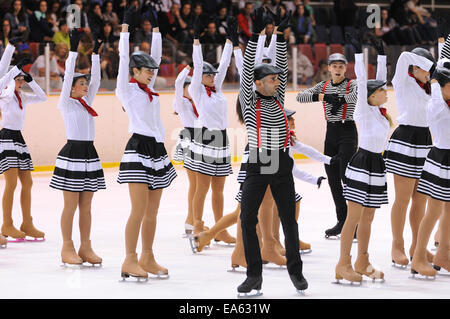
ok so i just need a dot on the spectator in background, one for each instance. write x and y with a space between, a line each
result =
63 34
55 15
18 20
171 26
426 25
198 12
5 33
37 70
107 36
345 11
322 73
302 26
221 20
144 34
273 6
61 53
84 19
40 29
188 18
305 69
110 16
309 11
210 40
388 29
95 18
245 22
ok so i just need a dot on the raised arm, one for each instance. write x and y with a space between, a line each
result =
311 152
381 68
39 94
282 63
5 80
239 60
6 59
260 49
68 78
246 95
361 77
223 65
179 88
445 51
312 94
156 53
272 50
95 79
196 84
404 61
122 90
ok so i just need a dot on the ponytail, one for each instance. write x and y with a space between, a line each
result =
239 111
389 118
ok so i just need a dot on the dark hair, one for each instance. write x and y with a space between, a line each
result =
21 15
239 111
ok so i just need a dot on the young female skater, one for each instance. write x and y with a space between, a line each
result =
78 171
184 106
408 147
435 178
269 161
339 100
145 165
15 160
209 153
365 185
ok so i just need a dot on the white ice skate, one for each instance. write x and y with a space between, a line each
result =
188 229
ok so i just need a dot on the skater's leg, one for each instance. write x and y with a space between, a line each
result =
217 185
202 187
269 253
283 192
344 267
85 221
68 253
25 202
253 192
441 259
362 264
276 230
238 255
8 228
192 186
138 196
147 260
404 188
416 213
437 234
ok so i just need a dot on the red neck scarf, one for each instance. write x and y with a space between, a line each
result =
293 137
210 89
144 88
86 106
383 111
19 99
425 86
448 103
193 106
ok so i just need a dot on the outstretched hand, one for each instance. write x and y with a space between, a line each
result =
197 28
378 45
128 15
231 30
75 36
258 20
97 44
319 181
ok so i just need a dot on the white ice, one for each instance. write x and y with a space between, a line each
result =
32 270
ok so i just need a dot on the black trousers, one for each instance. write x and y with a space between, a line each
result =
281 184
341 138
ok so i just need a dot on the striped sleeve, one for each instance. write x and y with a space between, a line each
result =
282 63
312 94
445 52
352 96
246 96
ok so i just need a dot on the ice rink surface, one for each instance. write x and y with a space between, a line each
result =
33 270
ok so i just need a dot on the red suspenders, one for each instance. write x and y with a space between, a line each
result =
258 124
347 91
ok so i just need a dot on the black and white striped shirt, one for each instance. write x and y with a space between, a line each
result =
346 89
445 53
273 122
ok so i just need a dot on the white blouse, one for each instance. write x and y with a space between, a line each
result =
182 105
6 60
13 117
438 113
144 116
411 98
212 110
373 127
78 122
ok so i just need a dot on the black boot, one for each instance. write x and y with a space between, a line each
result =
336 230
299 282
249 284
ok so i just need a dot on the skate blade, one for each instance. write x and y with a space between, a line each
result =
89 265
244 295
132 278
16 240
399 266
71 266
234 269
224 244
300 292
337 237
193 245
305 251
272 266
159 276
34 239
347 283
3 246
416 276
441 271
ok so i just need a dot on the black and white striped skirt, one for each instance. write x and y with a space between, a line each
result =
78 168
209 153
239 196
14 152
365 179
146 161
183 142
435 178
407 149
